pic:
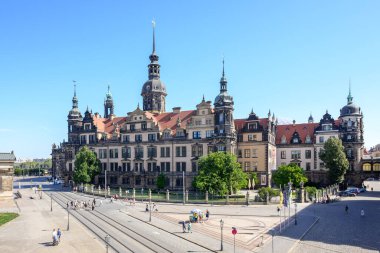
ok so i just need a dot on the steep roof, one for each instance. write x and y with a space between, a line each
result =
240 123
303 130
7 157
107 125
169 119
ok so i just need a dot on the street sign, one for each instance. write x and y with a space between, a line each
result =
234 231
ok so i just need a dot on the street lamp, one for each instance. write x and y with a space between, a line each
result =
51 202
107 239
221 234
68 218
150 210
295 215
272 232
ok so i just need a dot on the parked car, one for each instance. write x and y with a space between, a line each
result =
370 179
347 194
353 190
362 189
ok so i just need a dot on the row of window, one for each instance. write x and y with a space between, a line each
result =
296 154
367 167
126 152
151 167
248 153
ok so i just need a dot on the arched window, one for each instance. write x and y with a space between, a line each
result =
376 167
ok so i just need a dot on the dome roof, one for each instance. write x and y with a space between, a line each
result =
153 85
350 109
223 97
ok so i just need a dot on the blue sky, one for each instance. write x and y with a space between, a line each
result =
293 57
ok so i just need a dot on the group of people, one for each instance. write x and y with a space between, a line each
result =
154 209
56 236
188 227
82 204
200 216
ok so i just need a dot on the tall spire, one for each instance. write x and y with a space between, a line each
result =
349 97
154 36
223 81
75 99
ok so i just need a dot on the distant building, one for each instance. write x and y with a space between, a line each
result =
7 161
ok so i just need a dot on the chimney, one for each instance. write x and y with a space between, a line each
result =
294 122
176 109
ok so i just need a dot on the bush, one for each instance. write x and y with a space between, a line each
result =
311 191
267 191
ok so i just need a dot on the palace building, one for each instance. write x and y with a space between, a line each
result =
135 148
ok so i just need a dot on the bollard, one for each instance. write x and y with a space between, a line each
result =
247 198
167 195
206 197
187 196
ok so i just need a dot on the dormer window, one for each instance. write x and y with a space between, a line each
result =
349 123
252 126
295 140
180 133
349 137
308 139
166 134
283 139
87 126
326 127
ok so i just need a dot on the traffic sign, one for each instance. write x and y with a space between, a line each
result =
234 231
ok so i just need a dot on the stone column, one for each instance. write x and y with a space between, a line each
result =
306 196
134 194
120 192
302 194
247 198
206 196
187 196
109 191
99 188
150 195
167 195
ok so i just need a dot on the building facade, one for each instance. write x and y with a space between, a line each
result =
135 148
7 161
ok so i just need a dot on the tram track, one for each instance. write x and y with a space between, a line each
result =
148 244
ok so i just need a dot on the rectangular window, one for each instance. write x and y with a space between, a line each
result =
247 153
125 138
126 152
210 149
308 154
208 121
151 137
132 127
254 166
165 151
321 139
308 166
70 167
196 134
283 154
83 139
254 152
240 153
194 167
139 152
143 126
138 138
247 166
92 138
209 133
152 152
180 151
296 154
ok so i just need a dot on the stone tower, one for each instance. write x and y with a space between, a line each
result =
108 105
351 132
154 91
224 132
74 119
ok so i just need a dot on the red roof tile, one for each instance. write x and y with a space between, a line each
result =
303 130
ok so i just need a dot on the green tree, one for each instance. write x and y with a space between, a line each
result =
268 191
220 173
87 166
291 172
335 159
161 180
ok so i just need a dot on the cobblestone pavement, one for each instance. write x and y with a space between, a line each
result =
337 231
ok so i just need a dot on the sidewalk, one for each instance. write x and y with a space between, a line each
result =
32 230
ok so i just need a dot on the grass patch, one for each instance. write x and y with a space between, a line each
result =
5 217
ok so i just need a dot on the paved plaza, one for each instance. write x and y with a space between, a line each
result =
320 227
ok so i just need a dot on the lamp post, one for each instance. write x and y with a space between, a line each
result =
105 183
150 210
221 234
51 202
68 218
273 231
295 214
107 239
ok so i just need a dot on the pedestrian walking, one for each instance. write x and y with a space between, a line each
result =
189 228
146 208
54 237
207 214
184 226
362 212
346 208
59 233
278 210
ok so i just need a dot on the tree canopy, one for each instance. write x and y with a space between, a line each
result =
220 173
161 181
291 172
335 159
87 166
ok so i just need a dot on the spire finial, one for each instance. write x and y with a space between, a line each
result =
252 110
75 88
349 97
154 35
138 105
223 66
203 98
